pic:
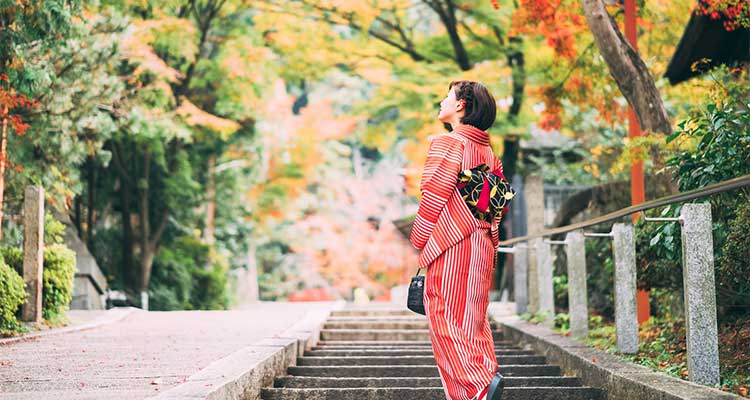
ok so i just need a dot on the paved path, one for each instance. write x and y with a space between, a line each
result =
141 355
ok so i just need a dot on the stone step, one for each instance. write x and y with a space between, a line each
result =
374 313
412 371
377 325
391 348
392 318
436 393
394 348
407 360
382 334
400 352
321 382
384 343
382 324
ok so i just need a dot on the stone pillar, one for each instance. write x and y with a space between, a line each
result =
700 294
144 301
534 195
252 276
577 289
626 309
520 277
546 287
33 252
532 277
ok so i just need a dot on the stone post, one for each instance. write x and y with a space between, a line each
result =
700 294
33 252
520 277
252 276
577 289
546 287
534 195
626 309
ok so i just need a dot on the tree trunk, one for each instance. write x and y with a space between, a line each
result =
3 154
91 172
511 145
147 261
77 216
208 231
147 256
628 69
127 235
149 239
447 16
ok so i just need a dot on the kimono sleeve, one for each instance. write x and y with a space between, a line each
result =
438 182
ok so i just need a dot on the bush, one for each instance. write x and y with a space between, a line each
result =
59 267
12 295
734 264
188 276
58 274
13 256
659 255
209 289
171 282
715 147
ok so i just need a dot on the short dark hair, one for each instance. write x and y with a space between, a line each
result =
480 109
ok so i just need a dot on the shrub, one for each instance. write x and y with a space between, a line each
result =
171 281
209 289
13 256
187 275
12 295
58 274
715 147
659 254
733 267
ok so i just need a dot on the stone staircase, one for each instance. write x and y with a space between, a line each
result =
386 355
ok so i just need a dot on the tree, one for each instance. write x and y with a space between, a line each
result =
193 87
438 38
25 27
628 69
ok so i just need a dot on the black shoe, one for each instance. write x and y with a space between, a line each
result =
495 391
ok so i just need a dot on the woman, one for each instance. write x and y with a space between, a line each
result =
458 250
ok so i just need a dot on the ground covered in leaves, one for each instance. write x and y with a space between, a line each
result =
662 347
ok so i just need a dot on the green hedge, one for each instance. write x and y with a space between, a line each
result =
12 295
58 274
59 268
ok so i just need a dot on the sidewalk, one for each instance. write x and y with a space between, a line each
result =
139 356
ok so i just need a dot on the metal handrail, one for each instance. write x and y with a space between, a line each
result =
720 187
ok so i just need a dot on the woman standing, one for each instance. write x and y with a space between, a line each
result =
457 249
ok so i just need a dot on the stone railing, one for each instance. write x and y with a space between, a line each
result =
533 272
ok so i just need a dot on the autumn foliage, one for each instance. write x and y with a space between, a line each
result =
734 14
9 103
559 21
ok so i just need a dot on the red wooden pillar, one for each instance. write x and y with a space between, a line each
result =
637 185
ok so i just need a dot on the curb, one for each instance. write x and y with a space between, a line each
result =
621 379
242 374
112 315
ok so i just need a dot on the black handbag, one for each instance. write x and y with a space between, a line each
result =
415 299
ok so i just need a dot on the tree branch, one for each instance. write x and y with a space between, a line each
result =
628 69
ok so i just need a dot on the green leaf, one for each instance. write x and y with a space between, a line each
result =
655 239
673 136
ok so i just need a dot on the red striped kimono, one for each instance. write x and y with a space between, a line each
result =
458 252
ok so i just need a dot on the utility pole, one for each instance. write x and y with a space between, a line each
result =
637 186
